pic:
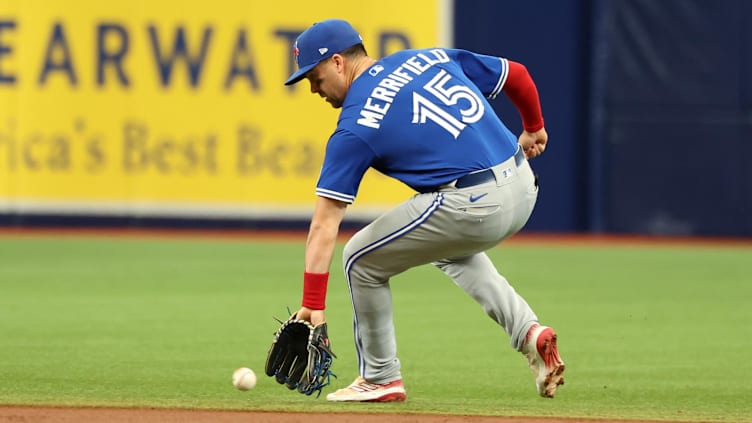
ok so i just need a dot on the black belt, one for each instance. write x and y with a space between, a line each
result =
487 175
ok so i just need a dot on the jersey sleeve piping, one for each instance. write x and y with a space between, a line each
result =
334 195
502 78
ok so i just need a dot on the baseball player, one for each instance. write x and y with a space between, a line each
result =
422 117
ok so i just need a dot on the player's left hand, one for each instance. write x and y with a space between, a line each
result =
300 356
316 317
533 143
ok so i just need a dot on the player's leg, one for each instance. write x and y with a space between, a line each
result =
424 229
515 192
384 248
393 243
428 228
478 277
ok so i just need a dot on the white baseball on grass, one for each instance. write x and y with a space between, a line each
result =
244 379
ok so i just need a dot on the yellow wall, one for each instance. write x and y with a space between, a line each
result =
87 116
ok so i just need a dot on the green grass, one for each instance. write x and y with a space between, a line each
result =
647 332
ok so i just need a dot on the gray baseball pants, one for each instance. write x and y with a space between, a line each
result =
451 228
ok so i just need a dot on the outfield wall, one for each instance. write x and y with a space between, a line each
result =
648 105
174 114
175 108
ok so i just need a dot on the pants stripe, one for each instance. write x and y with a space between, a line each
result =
374 246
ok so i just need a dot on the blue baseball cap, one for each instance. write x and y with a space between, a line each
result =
321 41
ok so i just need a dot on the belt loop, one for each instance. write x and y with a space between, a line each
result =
519 156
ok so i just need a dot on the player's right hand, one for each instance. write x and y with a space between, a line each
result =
533 143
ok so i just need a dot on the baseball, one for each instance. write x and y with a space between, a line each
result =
244 379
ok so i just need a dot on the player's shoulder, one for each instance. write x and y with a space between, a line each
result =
411 52
350 138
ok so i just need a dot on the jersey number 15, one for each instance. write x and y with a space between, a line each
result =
425 109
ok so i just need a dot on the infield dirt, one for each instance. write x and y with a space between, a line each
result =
125 415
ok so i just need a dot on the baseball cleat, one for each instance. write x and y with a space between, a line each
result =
544 360
362 391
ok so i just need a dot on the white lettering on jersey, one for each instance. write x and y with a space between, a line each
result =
449 95
379 102
391 84
378 108
370 119
401 76
383 94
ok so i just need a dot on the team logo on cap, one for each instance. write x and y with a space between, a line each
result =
323 50
295 50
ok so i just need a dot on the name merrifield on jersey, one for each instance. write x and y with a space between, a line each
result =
382 96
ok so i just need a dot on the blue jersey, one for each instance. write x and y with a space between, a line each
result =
420 116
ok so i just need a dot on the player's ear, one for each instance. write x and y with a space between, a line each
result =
339 62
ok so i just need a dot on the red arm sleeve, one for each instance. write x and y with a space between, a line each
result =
521 90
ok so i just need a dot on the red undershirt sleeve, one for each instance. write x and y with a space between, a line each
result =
521 90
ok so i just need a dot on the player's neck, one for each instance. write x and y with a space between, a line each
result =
360 65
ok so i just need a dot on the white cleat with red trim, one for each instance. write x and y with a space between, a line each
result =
362 391
543 359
